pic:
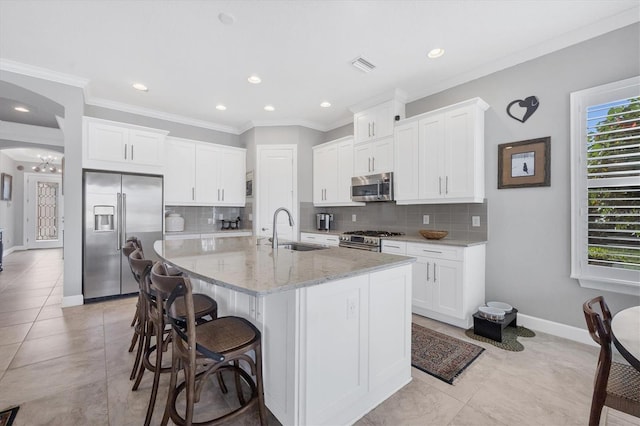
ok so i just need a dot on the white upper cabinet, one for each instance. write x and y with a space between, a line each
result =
373 138
332 172
109 145
200 173
374 157
376 122
407 161
439 156
179 172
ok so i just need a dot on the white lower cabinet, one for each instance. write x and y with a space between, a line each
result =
448 281
324 239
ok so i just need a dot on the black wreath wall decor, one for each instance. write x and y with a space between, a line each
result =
524 109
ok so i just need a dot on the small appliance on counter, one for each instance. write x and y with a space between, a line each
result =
323 221
174 223
230 224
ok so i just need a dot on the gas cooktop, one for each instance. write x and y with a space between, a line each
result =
374 233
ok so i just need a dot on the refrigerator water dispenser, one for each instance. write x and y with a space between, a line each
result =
103 218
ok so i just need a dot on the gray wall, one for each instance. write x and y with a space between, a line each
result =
529 253
8 215
303 137
339 132
71 98
175 129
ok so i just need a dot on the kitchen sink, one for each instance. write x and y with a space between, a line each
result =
300 247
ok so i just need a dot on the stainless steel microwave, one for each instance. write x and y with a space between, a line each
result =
372 188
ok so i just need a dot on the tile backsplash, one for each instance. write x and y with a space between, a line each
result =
455 218
198 219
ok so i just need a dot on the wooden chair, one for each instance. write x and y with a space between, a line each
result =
153 317
616 385
129 247
206 349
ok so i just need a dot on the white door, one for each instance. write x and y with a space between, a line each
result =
276 186
43 210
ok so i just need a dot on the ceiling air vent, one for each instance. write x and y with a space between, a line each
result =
362 64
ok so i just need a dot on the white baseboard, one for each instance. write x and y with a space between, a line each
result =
75 300
555 328
12 249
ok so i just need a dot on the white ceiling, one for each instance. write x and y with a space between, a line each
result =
301 49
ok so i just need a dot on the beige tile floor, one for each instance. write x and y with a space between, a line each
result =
71 367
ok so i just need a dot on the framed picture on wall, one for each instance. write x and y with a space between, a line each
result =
524 163
5 186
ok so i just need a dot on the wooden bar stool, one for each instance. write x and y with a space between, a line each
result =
153 316
129 247
209 348
616 385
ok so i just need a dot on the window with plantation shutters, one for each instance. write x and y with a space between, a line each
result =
606 186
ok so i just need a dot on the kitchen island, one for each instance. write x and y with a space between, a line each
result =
335 322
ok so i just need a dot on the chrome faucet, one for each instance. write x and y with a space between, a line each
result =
274 238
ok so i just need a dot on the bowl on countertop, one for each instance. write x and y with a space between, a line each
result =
433 235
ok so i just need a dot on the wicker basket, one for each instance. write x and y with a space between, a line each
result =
433 235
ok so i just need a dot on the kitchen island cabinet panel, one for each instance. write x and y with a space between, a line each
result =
335 322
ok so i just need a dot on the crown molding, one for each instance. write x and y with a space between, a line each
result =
276 123
559 42
43 73
119 106
392 95
31 134
340 123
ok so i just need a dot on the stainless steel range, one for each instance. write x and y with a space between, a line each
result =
365 240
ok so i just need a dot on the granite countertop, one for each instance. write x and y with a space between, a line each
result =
215 231
410 239
445 241
244 265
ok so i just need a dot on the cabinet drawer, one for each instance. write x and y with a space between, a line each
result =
324 239
394 247
435 251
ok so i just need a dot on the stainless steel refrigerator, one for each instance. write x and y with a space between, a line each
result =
117 206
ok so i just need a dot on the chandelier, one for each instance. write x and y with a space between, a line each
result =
46 165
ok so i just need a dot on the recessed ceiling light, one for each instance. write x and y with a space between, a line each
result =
226 18
435 53
141 87
21 109
269 108
254 79
221 107
325 104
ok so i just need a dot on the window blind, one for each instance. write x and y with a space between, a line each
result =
613 184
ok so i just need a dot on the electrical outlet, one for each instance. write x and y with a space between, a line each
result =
220 216
352 308
425 219
210 220
353 218
475 221
250 217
